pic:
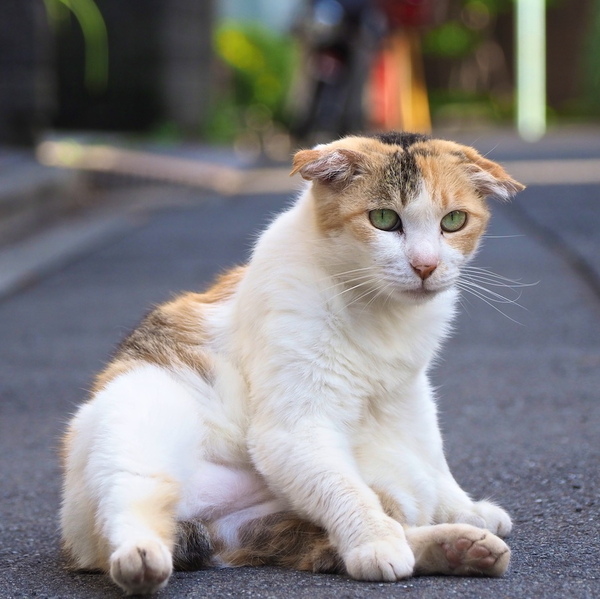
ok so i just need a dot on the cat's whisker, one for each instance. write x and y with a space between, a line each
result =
490 151
349 281
487 271
483 279
379 293
359 298
365 294
353 270
360 273
487 301
494 282
478 270
362 284
464 304
493 296
342 274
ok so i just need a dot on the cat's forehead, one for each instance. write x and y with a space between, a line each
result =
404 163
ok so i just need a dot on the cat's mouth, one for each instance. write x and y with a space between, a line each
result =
425 291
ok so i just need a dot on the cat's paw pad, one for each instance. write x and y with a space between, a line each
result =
473 551
141 568
388 560
485 514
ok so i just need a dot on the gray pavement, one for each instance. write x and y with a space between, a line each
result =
519 401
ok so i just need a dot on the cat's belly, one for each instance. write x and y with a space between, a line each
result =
215 491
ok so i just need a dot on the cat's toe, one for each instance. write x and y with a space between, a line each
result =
474 551
484 514
496 519
386 560
141 568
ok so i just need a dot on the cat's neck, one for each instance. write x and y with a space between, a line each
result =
294 276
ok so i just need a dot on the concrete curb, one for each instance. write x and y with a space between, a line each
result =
32 195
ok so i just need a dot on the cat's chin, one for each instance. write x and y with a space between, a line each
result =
420 294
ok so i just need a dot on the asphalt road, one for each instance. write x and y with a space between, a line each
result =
519 394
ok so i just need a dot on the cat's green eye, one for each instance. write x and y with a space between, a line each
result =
385 219
454 221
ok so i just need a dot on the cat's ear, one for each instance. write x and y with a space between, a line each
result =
489 178
336 167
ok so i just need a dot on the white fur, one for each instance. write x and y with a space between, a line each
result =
321 395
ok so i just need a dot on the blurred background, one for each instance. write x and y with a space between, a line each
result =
263 74
202 92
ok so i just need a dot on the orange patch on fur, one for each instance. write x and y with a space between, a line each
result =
157 510
449 187
336 205
390 506
224 287
111 372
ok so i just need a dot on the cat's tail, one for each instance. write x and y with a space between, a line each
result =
194 548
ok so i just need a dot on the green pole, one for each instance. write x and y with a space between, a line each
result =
531 68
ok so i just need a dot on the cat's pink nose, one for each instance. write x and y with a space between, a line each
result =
424 270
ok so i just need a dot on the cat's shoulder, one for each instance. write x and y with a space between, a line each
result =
170 333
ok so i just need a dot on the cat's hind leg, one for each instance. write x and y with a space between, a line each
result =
141 528
194 547
457 549
130 451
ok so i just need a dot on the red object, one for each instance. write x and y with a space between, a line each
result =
409 13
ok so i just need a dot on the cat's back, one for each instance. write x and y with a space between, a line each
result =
183 333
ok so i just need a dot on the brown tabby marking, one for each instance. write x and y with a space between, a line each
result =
170 335
194 548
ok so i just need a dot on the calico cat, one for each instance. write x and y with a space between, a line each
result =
285 416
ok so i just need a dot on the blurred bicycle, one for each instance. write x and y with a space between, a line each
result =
338 40
360 66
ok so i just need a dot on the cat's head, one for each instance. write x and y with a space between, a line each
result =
406 209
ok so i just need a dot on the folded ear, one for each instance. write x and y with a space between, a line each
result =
489 178
329 166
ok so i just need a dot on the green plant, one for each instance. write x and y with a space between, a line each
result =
591 66
260 64
95 36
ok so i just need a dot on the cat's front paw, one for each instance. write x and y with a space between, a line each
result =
388 559
141 568
485 514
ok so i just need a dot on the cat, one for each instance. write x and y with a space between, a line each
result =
285 416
